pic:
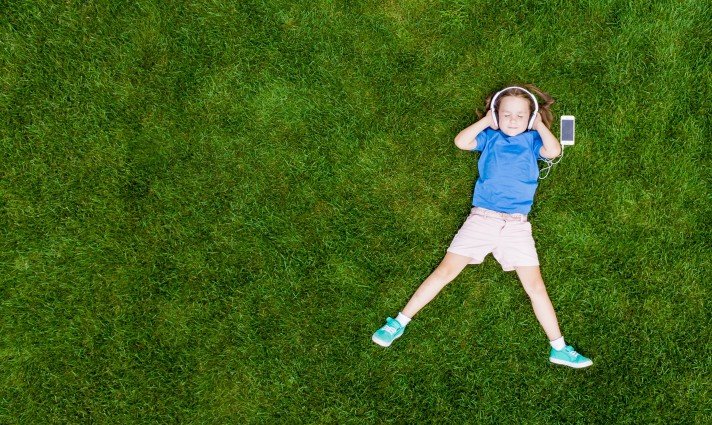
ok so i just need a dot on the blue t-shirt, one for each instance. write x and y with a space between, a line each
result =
509 173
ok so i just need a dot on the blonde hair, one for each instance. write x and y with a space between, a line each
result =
545 101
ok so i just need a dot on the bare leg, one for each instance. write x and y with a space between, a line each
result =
533 284
449 268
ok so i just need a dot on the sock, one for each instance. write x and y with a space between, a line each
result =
558 344
403 319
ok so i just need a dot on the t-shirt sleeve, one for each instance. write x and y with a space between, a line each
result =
537 144
482 138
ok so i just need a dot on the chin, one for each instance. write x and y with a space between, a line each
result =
511 133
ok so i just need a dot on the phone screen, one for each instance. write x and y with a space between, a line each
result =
567 130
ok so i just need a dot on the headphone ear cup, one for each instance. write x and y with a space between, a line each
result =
531 121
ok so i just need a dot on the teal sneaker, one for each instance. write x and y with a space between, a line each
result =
569 357
388 333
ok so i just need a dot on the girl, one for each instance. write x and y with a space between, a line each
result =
512 136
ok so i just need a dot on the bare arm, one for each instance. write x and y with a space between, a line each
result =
551 148
467 138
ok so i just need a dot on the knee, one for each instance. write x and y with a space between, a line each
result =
534 287
445 273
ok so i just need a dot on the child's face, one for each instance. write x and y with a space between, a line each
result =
513 115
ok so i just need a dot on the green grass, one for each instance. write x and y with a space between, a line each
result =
206 208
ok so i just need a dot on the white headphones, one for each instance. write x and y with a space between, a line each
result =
494 101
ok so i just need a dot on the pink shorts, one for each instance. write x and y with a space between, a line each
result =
507 236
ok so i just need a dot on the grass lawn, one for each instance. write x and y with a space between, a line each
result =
207 208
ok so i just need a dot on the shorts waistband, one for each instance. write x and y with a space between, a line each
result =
484 212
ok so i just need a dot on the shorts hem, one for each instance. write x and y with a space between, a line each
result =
511 268
472 259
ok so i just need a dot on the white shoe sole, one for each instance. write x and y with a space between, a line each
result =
569 364
379 342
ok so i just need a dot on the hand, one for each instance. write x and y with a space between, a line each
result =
537 122
491 120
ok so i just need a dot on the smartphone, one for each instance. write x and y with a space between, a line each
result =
568 126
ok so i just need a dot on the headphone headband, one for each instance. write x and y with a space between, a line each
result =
536 105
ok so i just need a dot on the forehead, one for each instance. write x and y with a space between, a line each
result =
514 104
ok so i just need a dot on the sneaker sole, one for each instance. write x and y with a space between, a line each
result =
569 364
381 343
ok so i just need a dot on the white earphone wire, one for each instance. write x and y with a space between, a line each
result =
550 163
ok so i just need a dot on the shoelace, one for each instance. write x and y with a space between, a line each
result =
573 353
